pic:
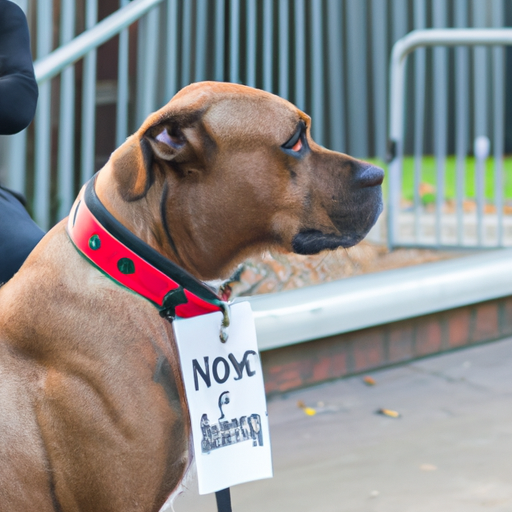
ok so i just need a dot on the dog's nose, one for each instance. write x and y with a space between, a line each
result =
370 176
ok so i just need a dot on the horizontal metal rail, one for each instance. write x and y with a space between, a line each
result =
55 62
360 302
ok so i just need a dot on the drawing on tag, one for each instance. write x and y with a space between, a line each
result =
223 400
227 433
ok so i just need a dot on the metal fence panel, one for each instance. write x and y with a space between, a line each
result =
330 57
484 224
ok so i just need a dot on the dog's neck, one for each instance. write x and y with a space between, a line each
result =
130 262
198 252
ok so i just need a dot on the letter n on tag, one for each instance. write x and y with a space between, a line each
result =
226 398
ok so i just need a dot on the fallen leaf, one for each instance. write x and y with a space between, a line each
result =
309 411
389 412
369 380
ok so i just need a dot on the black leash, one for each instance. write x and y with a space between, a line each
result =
223 500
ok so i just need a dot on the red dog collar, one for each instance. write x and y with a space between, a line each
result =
130 262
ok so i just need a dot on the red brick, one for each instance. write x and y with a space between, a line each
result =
329 367
486 326
281 377
271 386
401 342
506 326
459 322
428 336
321 369
368 349
290 378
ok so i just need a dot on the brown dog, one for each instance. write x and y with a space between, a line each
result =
92 412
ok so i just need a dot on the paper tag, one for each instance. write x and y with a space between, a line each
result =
226 399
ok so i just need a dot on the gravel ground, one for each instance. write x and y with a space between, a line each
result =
276 272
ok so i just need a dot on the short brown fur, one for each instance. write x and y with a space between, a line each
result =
88 419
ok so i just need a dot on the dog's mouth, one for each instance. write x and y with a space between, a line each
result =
313 241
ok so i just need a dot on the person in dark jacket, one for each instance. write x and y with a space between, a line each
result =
19 234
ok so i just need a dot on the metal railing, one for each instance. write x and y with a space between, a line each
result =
486 225
60 61
327 56
305 314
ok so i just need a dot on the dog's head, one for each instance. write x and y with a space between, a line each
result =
224 170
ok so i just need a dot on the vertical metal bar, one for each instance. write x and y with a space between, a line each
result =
300 53
335 77
396 136
317 82
480 111
171 55
202 27
268 32
283 48
89 100
43 120
461 116
219 40
380 52
498 63
440 114
122 85
251 43
234 41
186 41
66 153
481 152
142 29
16 161
400 14
419 114
150 62
357 79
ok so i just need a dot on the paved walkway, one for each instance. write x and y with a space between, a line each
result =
450 451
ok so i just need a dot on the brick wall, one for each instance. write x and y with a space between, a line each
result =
350 353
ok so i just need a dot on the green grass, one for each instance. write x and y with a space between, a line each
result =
428 176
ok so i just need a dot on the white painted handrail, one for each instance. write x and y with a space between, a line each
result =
314 312
55 62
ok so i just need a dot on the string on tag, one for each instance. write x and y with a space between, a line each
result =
226 320
223 498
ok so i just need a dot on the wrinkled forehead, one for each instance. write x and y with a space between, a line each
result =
252 116
228 109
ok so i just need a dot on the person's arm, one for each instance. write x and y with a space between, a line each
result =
18 87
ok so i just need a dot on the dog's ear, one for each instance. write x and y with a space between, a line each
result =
133 161
132 166
166 140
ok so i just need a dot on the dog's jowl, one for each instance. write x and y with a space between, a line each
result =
89 420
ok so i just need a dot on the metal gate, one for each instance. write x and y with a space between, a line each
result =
477 211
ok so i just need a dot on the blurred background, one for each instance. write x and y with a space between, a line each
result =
329 57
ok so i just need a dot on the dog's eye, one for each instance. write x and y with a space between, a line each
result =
295 143
297 146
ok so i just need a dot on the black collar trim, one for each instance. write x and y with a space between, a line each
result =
145 251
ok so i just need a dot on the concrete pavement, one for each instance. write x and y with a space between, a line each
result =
451 449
